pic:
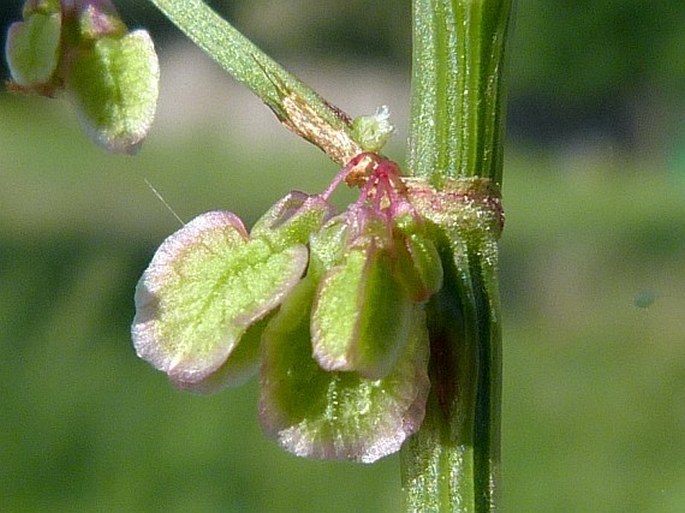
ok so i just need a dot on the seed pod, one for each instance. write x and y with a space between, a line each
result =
33 48
361 314
315 413
206 285
113 84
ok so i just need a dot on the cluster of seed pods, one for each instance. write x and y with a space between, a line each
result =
82 48
329 307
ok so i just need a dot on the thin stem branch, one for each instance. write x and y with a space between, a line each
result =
297 106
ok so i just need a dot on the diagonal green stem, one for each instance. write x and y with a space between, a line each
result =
298 106
237 54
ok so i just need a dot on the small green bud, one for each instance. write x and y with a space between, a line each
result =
373 132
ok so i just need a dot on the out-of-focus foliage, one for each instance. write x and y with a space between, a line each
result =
598 69
588 48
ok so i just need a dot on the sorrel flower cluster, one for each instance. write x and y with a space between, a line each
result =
329 307
338 312
83 48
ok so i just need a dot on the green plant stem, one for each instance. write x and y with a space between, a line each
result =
297 105
457 107
452 464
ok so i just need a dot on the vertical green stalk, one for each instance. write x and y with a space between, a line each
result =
452 463
457 108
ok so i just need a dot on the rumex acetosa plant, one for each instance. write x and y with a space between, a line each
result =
373 329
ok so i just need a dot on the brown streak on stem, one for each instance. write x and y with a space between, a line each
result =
295 113
301 119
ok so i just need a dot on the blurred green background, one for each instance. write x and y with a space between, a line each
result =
594 393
